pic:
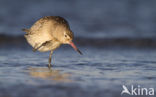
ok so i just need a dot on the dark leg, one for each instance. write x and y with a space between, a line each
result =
49 65
43 44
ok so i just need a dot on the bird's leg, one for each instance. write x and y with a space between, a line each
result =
35 47
49 65
43 44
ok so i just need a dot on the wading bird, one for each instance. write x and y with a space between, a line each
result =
48 33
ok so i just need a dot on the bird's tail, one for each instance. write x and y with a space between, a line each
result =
25 30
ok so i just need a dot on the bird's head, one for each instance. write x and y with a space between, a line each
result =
67 39
65 36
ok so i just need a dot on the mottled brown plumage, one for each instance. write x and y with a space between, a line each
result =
48 33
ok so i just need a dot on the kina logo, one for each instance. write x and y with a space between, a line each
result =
137 90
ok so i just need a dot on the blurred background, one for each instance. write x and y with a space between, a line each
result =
99 27
89 19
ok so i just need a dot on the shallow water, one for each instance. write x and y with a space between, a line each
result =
98 73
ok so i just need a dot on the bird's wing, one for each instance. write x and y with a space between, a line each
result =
37 26
26 30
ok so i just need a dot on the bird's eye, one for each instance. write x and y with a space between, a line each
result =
65 35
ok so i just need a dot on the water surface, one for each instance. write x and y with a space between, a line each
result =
99 72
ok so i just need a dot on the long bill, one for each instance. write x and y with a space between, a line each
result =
75 48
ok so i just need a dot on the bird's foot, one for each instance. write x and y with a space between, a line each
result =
49 66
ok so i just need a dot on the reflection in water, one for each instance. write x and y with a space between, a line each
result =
52 74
